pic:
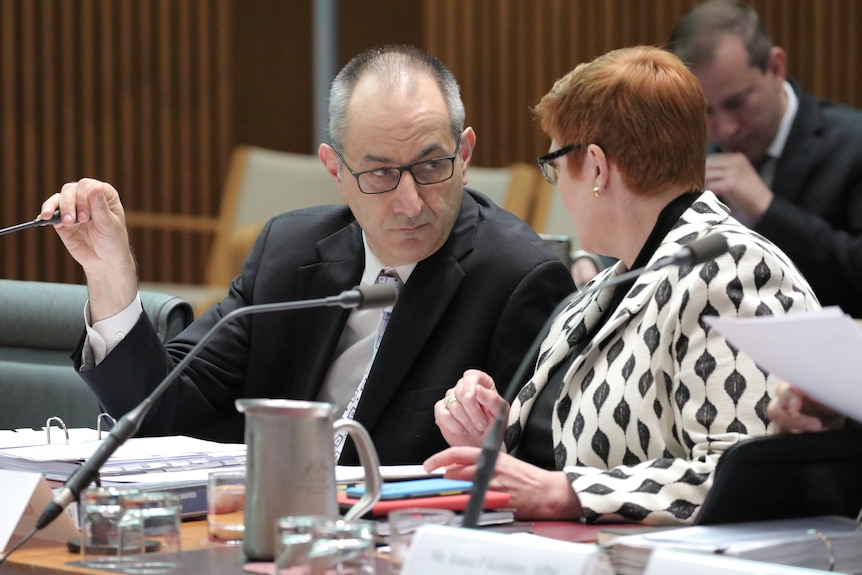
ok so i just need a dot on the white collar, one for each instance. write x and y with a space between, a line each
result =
373 265
777 146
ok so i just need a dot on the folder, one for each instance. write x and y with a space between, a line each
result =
826 542
493 500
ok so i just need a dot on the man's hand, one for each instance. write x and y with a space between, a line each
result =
732 177
93 229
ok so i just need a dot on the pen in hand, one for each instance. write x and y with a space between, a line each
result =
55 219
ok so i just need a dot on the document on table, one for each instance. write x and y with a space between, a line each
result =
148 459
27 437
346 474
137 455
818 351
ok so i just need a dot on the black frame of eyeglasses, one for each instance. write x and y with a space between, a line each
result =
550 157
402 169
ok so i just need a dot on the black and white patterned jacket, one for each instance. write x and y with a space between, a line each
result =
656 396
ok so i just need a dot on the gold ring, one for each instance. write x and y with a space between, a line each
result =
450 399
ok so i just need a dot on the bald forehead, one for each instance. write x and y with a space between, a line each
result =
400 81
396 99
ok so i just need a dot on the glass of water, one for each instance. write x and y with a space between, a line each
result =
342 547
225 506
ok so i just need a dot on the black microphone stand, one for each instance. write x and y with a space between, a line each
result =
487 459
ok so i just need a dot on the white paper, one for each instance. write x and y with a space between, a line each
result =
356 473
670 562
29 437
137 455
24 496
819 351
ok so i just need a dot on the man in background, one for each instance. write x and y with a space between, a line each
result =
787 164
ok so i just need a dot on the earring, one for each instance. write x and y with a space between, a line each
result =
596 192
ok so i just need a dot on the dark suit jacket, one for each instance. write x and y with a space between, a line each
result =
476 303
816 216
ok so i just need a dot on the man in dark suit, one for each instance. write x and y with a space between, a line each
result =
787 164
477 282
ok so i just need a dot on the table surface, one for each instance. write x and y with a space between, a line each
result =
200 556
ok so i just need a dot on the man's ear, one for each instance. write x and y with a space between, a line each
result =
777 63
468 144
327 155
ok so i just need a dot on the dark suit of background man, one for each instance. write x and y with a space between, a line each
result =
478 282
789 165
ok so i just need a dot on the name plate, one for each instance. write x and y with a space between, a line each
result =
23 496
439 549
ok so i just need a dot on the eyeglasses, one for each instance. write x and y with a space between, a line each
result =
425 173
548 163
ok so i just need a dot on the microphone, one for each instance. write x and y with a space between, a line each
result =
360 297
693 253
55 219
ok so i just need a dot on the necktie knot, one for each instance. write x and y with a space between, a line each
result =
389 275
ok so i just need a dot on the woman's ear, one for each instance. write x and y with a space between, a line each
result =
597 164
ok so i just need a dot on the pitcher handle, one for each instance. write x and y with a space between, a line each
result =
370 462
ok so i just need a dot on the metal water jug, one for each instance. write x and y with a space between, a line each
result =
290 467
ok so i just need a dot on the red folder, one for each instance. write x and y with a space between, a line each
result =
493 500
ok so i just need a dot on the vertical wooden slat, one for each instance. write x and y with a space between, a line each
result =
87 136
10 130
182 196
29 157
49 176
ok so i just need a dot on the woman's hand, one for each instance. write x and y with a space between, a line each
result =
536 493
467 412
794 412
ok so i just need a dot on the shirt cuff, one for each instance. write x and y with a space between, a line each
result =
103 336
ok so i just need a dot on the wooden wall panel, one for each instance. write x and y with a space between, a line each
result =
152 95
130 91
508 53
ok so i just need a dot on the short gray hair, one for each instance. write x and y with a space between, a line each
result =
696 36
386 63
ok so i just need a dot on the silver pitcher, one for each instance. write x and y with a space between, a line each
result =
290 467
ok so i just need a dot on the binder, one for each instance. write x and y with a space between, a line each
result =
827 542
493 500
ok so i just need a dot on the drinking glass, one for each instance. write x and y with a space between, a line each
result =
320 545
225 506
101 512
403 523
342 547
150 533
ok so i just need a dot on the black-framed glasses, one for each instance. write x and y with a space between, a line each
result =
548 163
386 179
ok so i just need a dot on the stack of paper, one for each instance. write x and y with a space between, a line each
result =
826 542
136 457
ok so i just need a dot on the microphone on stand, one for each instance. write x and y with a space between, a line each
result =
55 219
361 297
696 252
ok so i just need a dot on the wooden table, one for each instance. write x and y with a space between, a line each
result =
200 557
